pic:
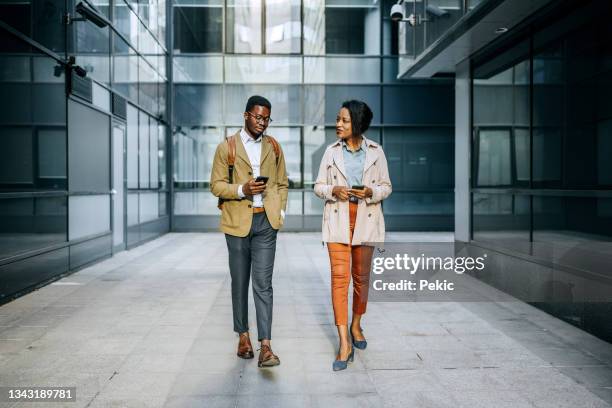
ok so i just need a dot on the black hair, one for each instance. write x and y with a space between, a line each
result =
361 115
257 100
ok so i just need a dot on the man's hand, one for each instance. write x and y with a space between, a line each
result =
340 192
253 187
365 193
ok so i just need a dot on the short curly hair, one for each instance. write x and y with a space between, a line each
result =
257 100
361 115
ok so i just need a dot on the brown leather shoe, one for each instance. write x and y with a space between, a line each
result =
245 349
267 358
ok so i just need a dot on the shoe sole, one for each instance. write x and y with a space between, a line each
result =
247 356
268 363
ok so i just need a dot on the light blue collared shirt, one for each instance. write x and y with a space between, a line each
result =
354 162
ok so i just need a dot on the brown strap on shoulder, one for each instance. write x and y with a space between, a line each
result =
231 159
231 150
275 146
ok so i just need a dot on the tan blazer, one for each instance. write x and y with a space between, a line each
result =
237 214
370 222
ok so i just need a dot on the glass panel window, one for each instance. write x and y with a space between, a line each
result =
263 69
153 154
352 28
194 150
244 26
89 215
198 29
31 223
338 70
283 27
289 139
285 100
198 69
494 161
314 27
132 147
197 104
195 203
143 150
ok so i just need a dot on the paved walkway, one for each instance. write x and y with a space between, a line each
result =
151 327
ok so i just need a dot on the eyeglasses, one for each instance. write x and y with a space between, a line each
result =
259 118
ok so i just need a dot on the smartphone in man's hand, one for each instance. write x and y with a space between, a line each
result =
262 178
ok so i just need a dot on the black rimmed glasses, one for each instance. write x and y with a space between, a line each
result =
260 119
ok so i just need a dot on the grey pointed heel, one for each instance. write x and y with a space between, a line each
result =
343 364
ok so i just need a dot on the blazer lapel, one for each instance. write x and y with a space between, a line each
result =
266 148
241 151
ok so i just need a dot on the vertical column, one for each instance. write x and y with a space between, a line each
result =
463 131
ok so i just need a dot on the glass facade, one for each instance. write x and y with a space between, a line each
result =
66 140
306 57
541 170
108 133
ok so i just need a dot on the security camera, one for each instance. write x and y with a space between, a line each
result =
397 12
91 13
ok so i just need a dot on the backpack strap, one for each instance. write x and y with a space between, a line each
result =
231 159
275 146
231 154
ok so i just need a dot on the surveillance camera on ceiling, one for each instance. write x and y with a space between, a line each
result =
397 12
91 13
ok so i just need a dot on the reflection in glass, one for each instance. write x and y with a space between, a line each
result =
243 26
502 219
194 150
289 139
314 27
198 29
89 215
339 70
263 69
494 166
92 50
352 29
198 69
285 100
143 150
197 104
132 147
31 223
283 26
195 203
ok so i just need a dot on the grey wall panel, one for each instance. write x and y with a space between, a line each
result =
88 149
26 274
89 251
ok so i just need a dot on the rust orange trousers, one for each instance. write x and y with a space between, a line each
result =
340 257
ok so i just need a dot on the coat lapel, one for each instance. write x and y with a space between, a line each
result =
241 151
338 158
371 155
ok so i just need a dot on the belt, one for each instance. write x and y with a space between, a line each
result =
257 210
353 199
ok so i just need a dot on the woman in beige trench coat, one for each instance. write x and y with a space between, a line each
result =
353 179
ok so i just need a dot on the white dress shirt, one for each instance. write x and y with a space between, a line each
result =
253 149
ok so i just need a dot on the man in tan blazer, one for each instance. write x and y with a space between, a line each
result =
252 213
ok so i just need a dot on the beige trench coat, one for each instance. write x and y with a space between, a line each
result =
370 222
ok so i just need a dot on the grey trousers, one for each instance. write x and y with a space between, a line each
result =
253 254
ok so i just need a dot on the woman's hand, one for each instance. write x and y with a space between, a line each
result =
365 193
340 192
